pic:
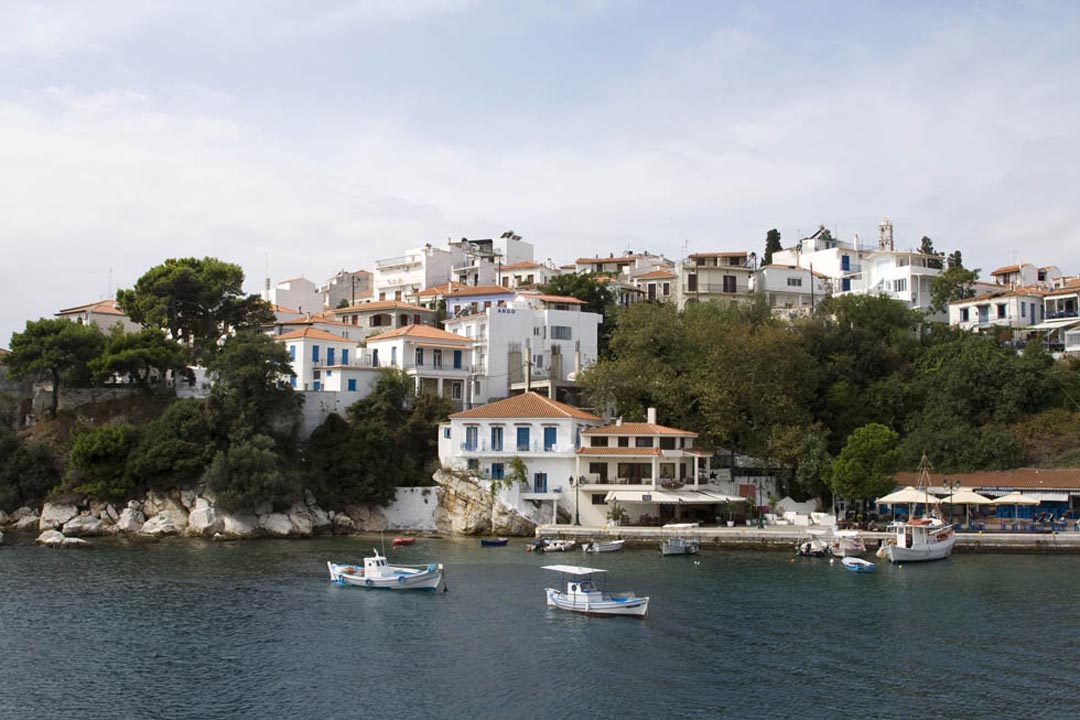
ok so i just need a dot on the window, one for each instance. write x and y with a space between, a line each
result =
624 442
497 438
446 433
691 282
436 359
1002 310
419 357
329 356
375 358
292 380
315 353
471 433
345 356
730 285
351 384
643 442
667 443
540 482
667 289
498 471
550 435
900 285
523 438
599 441
963 314
599 469
538 361
598 499
455 391
393 357
317 386
794 282
474 464
1023 310
457 359
292 353
561 332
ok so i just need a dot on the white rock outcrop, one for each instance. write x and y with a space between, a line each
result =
50 538
28 522
276 525
302 519
83 526
160 525
54 515
72 542
343 524
240 525
131 520
205 521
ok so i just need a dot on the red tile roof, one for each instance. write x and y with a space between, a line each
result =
527 405
312 333
468 291
655 275
1005 270
425 332
1020 479
102 307
719 254
381 305
523 266
638 429
438 289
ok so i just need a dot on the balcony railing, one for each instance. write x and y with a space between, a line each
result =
713 288
509 446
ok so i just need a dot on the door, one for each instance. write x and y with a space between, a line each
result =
523 438
550 434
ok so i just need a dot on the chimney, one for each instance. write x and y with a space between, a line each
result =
618 421
650 416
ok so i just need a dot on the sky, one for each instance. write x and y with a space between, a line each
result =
300 139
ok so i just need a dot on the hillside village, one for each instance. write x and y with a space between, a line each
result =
476 324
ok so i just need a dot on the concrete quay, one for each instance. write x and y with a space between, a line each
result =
773 537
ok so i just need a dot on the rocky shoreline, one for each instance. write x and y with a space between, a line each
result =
461 508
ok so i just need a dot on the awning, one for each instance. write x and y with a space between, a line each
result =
673 497
1054 324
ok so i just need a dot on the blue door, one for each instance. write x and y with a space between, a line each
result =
457 359
523 438
540 482
496 438
549 438
329 356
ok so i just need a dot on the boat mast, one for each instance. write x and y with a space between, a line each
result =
924 478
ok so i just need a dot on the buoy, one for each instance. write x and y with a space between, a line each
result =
791 560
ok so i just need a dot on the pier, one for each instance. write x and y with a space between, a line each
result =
785 537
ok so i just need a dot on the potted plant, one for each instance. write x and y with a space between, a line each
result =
728 513
616 515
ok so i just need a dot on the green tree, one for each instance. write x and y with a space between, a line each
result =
137 355
249 472
60 349
97 464
814 469
865 467
176 448
772 245
351 463
28 472
926 247
250 395
198 302
952 285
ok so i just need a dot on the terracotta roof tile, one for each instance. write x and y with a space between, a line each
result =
479 290
736 253
381 305
439 289
1005 270
1020 479
522 266
102 307
655 275
527 405
638 429
421 331
312 333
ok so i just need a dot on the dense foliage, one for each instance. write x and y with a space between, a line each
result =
56 348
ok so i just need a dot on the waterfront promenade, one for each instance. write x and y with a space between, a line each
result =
773 537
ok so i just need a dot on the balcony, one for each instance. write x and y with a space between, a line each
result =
718 288
509 447
398 261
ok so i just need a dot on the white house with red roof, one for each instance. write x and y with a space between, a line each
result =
466 300
105 314
654 472
545 434
1022 275
436 359
1011 309
314 353
379 316
526 341
657 285
526 274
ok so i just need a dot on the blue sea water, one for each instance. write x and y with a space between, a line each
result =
255 630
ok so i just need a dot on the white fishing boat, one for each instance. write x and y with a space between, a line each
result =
812 545
679 546
919 539
559 545
376 572
599 546
846 543
855 564
582 596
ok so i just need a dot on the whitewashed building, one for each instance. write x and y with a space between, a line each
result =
543 433
437 360
527 274
312 352
1023 275
716 276
789 290
299 294
657 285
105 314
374 318
1018 309
347 288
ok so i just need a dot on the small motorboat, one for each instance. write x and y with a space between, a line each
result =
847 543
581 595
494 542
559 545
855 564
599 546
537 546
403 541
811 547
377 573
680 546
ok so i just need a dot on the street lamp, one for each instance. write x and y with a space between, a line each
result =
577 491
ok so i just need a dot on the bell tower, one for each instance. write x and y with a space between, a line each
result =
885 234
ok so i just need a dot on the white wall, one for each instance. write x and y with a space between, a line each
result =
413 508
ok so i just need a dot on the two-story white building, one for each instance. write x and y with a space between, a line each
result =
105 314
716 276
1061 313
524 275
543 433
374 318
1024 275
654 473
299 294
1016 310
312 351
478 262
790 290
398 277
438 360
532 342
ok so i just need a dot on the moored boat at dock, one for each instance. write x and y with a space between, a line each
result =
599 546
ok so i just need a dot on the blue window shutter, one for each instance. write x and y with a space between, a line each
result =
292 380
292 353
345 356
550 434
523 438
329 356
314 353
457 359
352 385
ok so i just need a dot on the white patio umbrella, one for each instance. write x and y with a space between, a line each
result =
966 497
907 495
1015 499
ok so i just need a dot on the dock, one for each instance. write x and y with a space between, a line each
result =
773 537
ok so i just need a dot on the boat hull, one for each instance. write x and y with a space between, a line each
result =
858 565
608 607
499 542
683 548
935 551
599 547
402 578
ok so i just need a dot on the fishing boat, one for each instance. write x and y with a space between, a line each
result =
919 539
679 546
376 572
599 546
846 543
582 596
559 545
855 564
813 545
494 542
538 546
403 541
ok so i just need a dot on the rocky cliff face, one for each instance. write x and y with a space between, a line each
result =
468 508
